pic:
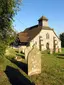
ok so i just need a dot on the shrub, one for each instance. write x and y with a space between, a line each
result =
2 48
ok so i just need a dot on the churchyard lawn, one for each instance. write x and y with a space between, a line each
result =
11 73
52 70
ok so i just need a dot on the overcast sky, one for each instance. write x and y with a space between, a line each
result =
32 10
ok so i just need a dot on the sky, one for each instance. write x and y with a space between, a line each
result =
32 10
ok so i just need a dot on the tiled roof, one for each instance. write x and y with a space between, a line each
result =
28 34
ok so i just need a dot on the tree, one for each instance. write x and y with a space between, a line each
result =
8 9
62 39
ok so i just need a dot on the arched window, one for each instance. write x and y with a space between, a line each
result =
47 36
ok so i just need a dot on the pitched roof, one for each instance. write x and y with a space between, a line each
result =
30 28
43 18
23 36
28 34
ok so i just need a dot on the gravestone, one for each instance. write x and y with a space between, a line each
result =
27 50
34 62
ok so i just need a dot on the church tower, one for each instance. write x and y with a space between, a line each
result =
43 21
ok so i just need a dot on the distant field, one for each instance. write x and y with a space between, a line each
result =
52 70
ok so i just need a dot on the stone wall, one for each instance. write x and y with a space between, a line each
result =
44 40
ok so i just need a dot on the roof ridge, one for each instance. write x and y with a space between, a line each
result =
30 27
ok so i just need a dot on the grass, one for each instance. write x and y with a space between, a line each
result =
19 54
10 51
11 73
62 50
52 70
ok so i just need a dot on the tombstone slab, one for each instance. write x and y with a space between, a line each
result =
27 50
34 62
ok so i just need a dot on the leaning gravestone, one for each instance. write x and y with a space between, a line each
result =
34 62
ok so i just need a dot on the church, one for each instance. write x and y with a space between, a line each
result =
40 35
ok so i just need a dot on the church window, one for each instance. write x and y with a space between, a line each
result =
47 36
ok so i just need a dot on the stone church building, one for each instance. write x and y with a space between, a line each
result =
40 35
